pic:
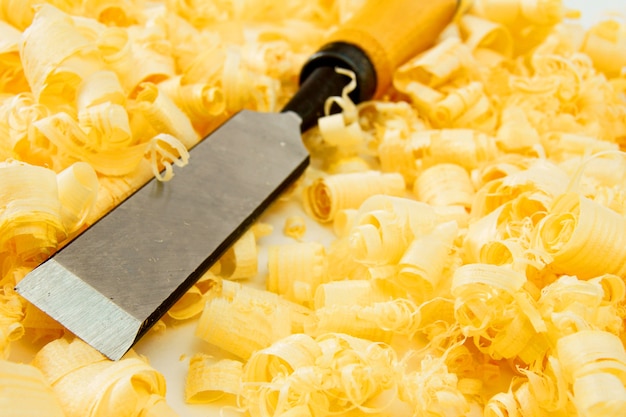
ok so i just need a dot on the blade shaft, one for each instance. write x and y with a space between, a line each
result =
134 263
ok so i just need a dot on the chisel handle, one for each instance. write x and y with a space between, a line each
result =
391 32
378 38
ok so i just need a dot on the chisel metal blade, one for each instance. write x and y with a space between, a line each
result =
119 276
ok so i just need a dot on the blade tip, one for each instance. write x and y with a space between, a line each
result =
80 308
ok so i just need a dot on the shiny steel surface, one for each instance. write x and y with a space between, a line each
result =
115 280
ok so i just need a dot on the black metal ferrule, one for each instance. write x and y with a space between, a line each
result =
319 80
348 56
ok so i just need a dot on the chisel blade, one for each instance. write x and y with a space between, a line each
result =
122 274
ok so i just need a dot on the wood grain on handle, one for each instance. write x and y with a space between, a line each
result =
392 31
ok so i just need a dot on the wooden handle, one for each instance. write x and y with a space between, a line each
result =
392 31
381 36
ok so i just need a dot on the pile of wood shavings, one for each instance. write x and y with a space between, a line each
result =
484 236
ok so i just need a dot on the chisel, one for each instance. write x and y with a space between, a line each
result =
117 278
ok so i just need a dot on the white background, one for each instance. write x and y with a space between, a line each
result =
596 9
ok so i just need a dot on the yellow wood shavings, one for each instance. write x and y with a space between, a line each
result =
295 227
240 260
465 147
332 373
204 103
539 184
87 384
435 66
570 304
421 267
296 270
35 220
376 238
40 326
78 187
599 394
261 229
529 21
444 185
25 392
489 298
433 390
162 116
588 351
11 316
56 56
31 224
210 380
326 196
576 223
192 302
286 355
12 76
244 324
515 133
485 34
605 43
504 284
